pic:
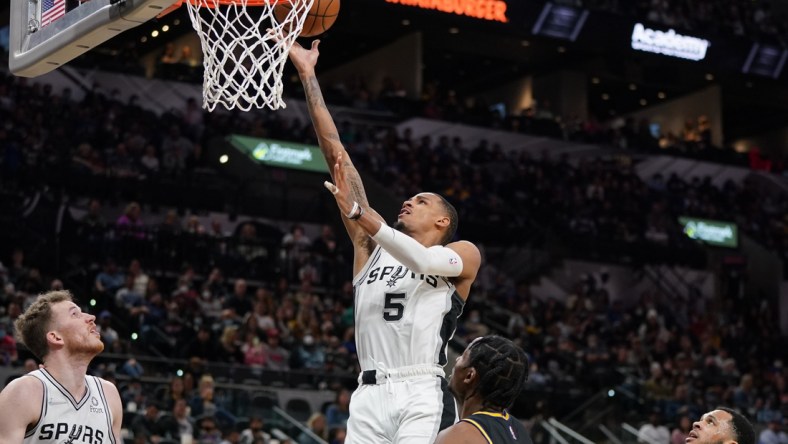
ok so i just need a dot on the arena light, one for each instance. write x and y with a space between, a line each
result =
669 43
561 22
223 159
765 60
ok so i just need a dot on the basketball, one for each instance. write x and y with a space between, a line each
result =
321 16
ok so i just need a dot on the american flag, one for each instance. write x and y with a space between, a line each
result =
52 10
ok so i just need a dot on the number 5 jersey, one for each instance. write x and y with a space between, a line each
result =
402 318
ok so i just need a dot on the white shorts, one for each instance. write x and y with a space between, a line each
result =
410 406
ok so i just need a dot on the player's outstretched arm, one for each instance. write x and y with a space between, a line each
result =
115 406
328 138
20 402
458 260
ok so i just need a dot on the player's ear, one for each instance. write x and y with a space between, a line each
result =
442 221
53 337
471 376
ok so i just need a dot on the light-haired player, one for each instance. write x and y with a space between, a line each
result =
59 403
410 282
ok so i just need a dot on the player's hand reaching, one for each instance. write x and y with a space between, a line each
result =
340 189
305 59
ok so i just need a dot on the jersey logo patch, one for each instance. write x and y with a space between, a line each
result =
94 408
452 261
399 274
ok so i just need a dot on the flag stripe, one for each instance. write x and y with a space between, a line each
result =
52 10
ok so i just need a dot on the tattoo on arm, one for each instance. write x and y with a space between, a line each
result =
356 186
314 98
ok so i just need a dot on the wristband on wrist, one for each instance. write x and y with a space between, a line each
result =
356 212
360 213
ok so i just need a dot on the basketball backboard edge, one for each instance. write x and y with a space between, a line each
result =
34 51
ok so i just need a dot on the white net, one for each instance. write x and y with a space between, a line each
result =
243 61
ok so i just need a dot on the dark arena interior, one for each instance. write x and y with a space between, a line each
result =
621 165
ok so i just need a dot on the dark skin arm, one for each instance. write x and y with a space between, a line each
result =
332 148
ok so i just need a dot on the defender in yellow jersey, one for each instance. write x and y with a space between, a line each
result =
486 380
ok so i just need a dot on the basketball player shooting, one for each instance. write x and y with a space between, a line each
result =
59 403
410 283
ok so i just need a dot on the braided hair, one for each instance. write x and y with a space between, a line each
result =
502 368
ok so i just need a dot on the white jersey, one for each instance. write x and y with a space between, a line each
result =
402 318
65 420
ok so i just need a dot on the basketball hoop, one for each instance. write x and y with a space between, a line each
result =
243 61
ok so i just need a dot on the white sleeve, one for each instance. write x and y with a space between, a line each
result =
437 260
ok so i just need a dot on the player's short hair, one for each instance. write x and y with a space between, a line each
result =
502 368
32 325
742 429
454 220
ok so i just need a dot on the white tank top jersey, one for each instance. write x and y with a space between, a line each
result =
402 318
65 420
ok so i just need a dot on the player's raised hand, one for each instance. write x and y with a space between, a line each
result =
305 59
340 187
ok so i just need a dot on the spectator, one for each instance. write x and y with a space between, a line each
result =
176 391
203 346
108 334
681 431
130 223
773 433
654 432
238 303
278 356
338 412
253 350
310 354
208 431
255 432
317 425
109 281
179 426
230 349
8 353
140 277
150 162
148 424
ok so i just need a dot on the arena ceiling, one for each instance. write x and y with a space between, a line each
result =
471 55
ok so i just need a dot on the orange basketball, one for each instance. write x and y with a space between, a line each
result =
321 16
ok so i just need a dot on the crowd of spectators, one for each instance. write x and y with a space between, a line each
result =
678 356
757 19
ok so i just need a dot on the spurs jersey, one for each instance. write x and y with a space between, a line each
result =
65 420
402 318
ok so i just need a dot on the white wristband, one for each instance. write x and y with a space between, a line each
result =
353 211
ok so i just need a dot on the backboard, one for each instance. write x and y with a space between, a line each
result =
43 36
